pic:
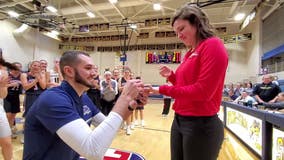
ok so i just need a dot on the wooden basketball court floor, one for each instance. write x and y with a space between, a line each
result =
153 140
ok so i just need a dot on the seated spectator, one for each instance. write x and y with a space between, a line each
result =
238 90
266 91
249 88
226 91
277 103
244 98
275 80
232 95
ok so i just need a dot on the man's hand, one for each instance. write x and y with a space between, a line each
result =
127 98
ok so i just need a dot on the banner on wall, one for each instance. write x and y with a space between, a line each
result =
123 57
163 57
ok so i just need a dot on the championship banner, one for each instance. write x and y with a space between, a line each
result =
115 154
163 57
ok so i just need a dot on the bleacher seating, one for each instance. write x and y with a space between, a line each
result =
281 84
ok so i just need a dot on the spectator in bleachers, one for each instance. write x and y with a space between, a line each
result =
226 91
275 80
266 91
238 90
249 88
244 98
277 103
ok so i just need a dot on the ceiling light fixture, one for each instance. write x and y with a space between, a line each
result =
13 14
133 26
21 29
239 16
54 32
157 6
113 1
51 9
91 15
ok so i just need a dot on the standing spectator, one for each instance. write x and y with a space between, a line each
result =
108 91
116 77
94 93
121 82
55 75
44 71
167 102
139 110
197 133
115 74
34 83
266 91
12 101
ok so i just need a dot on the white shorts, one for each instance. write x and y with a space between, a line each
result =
5 130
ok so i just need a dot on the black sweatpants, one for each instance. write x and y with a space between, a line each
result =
196 138
167 105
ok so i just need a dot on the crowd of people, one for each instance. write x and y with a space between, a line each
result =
81 87
73 96
268 93
104 91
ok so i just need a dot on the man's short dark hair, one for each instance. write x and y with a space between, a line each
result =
70 58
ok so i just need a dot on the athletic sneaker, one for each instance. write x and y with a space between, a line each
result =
13 136
164 115
132 126
124 126
22 140
142 123
128 130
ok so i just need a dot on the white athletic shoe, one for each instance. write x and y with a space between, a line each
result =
14 129
136 123
132 126
22 140
13 136
128 131
142 123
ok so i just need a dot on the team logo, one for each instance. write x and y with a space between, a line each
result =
86 110
114 154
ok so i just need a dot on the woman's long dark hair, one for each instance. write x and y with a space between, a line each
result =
196 17
7 64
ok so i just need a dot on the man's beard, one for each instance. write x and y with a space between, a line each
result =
79 79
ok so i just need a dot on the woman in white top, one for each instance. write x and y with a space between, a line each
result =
244 98
5 131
